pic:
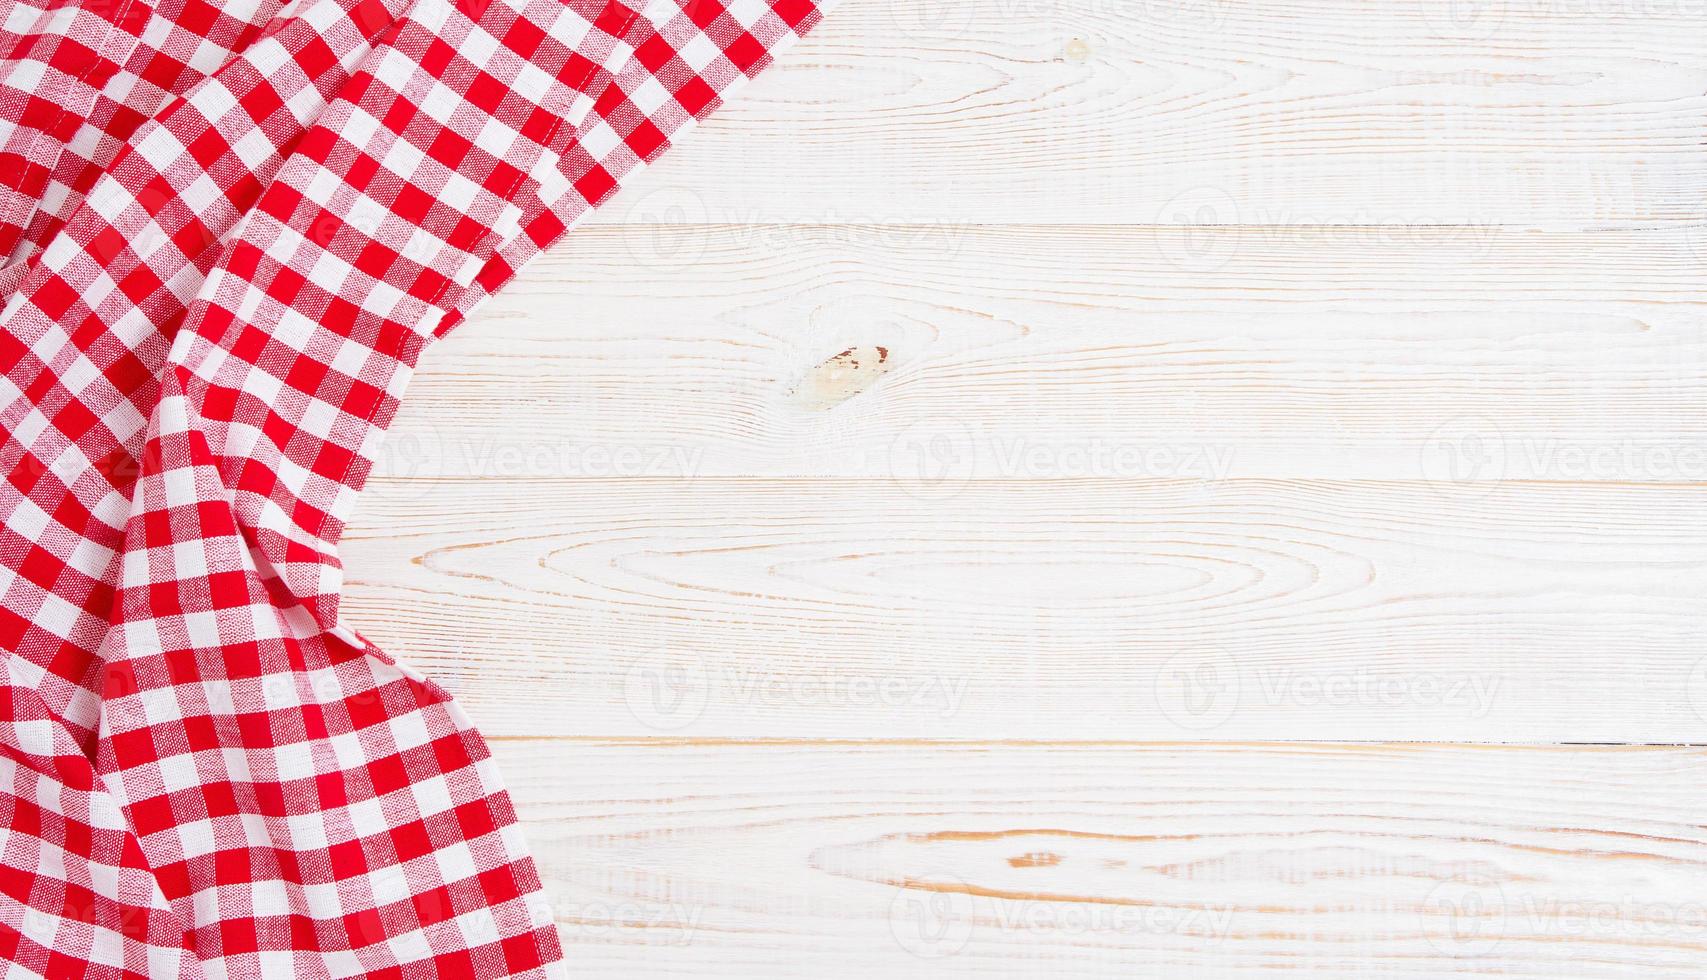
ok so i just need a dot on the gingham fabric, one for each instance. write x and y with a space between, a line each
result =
229 233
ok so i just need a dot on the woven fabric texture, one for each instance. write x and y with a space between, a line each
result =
228 232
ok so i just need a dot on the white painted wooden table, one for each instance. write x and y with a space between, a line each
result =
1259 527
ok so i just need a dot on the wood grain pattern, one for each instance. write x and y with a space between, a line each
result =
1046 609
1415 112
1018 353
893 537
677 858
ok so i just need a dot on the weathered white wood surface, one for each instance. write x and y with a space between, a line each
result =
1031 860
1041 352
1132 609
1120 388
1534 113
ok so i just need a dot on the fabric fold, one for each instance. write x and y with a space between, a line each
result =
89 101
87 333
209 774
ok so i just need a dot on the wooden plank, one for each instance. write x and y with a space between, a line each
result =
690 858
1046 609
1414 112
1060 352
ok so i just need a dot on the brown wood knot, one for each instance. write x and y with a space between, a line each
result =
841 377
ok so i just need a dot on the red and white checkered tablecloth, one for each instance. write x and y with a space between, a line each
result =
227 233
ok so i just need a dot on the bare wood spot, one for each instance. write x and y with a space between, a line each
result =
842 377
1035 859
